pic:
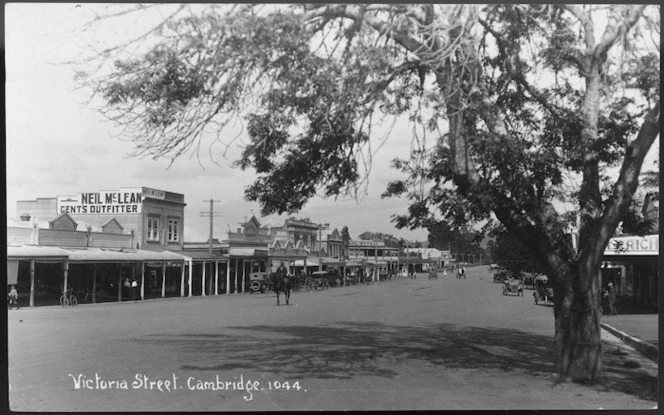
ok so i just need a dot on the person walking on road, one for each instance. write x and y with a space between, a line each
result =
612 300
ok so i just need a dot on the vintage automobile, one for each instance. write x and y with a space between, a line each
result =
543 290
257 282
513 286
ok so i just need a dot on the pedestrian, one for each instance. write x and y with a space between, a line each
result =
127 288
12 298
134 289
612 300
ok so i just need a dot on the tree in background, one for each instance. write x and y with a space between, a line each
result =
390 240
464 240
509 252
525 106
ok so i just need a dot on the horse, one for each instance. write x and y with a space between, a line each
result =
280 285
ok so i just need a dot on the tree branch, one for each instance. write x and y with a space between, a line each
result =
628 179
584 18
614 30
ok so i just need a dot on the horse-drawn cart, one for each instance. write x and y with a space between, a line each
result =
318 279
543 290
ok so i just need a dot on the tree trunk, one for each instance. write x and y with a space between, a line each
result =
577 340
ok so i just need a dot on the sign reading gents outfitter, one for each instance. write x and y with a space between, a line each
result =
124 201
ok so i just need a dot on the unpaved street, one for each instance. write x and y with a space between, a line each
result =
402 344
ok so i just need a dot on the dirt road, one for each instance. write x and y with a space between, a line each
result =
401 344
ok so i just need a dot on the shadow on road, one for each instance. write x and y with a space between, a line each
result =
348 350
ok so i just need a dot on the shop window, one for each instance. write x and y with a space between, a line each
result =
173 234
153 229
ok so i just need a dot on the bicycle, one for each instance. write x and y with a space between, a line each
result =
68 299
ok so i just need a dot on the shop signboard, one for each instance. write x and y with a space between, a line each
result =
362 243
115 202
633 245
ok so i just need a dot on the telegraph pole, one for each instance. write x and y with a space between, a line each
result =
407 270
212 214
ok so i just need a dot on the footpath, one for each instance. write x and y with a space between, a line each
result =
639 331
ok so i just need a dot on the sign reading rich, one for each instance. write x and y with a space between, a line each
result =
633 245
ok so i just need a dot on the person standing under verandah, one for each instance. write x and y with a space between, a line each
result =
612 300
12 298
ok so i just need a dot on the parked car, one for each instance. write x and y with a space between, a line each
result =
257 282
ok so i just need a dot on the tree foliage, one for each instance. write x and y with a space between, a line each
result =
464 240
526 106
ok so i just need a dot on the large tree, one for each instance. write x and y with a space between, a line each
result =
526 105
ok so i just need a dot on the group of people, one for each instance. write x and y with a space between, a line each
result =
130 288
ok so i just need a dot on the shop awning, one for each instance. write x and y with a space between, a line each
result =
311 262
374 262
248 252
39 253
333 261
199 256
120 255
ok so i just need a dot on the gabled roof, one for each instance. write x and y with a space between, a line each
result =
62 221
112 223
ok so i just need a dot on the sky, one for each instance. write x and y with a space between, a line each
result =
56 145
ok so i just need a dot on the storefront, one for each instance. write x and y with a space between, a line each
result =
632 264
93 274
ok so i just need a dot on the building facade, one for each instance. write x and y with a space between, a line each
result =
632 264
300 230
154 217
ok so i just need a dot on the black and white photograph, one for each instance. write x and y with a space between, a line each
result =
257 207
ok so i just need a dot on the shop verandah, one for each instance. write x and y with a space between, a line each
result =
97 275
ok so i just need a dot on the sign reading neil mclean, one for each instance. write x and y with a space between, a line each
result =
124 201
